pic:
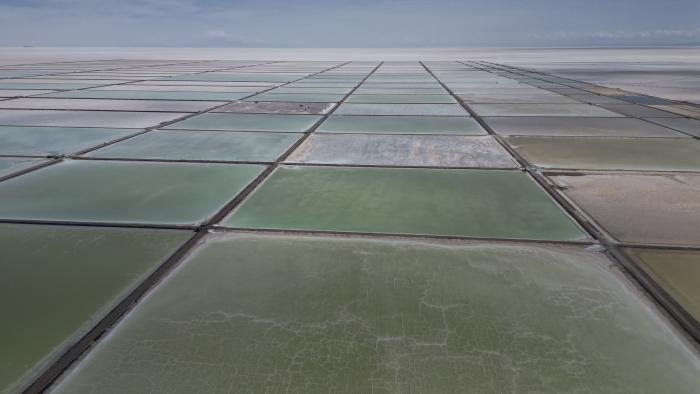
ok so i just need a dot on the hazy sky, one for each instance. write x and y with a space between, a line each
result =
359 23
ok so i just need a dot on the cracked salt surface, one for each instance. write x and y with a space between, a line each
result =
251 313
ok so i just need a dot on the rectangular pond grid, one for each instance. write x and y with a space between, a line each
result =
296 187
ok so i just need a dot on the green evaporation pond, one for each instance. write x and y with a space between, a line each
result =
124 192
8 165
247 122
306 83
353 81
478 203
250 77
401 98
401 109
40 141
202 145
58 281
44 86
24 73
401 85
298 97
150 95
251 313
317 90
398 90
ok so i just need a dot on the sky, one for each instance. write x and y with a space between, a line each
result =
358 24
